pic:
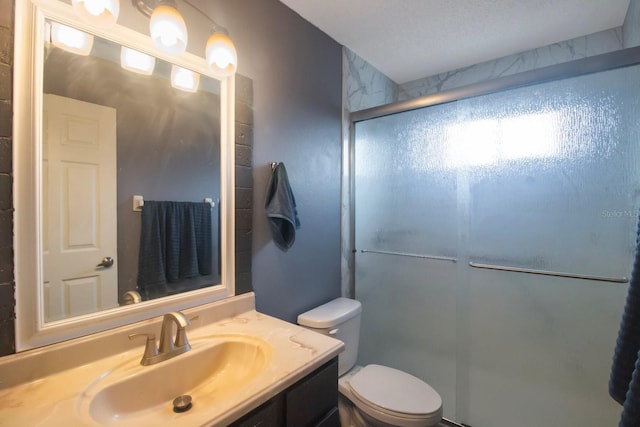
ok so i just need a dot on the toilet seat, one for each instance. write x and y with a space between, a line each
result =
395 397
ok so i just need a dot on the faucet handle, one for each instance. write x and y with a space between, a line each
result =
150 348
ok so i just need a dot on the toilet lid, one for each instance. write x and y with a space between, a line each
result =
395 391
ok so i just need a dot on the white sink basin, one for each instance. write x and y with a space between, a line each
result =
211 370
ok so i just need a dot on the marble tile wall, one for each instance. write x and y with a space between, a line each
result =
631 27
582 47
365 86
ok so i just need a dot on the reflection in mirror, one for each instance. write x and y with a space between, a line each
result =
116 125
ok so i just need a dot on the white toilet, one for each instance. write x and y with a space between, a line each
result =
372 395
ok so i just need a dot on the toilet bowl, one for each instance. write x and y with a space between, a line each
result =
371 395
385 396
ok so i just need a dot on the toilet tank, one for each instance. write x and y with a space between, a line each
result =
340 319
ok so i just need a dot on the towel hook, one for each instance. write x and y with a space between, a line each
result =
273 165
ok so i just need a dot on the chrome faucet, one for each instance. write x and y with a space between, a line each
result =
169 347
167 344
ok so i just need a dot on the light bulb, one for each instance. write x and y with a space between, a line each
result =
94 7
221 55
102 13
168 39
222 61
168 30
137 62
184 79
71 39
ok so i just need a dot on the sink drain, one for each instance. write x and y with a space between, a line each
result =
182 403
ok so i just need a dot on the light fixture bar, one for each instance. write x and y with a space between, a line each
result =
146 7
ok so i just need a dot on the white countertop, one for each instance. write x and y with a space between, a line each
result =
53 386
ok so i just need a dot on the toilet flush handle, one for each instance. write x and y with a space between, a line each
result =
333 331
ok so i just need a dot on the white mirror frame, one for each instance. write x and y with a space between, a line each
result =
31 329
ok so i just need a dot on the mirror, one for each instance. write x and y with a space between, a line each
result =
111 134
125 182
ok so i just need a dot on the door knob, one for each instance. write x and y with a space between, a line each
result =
106 262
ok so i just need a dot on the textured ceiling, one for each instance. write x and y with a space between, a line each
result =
411 39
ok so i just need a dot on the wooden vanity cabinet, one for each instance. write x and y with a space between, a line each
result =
311 402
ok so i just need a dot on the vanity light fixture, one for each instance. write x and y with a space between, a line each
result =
169 34
137 62
71 39
102 13
184 79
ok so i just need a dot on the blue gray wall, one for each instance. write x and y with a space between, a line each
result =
297 89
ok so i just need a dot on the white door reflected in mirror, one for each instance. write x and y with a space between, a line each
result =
79 207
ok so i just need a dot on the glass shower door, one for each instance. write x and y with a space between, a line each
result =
545 177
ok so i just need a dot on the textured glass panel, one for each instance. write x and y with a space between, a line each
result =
544 177
561 193
567 202
407 202
405 199
409 319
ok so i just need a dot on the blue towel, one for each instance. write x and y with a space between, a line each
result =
631 411
175 244
624 382
281 210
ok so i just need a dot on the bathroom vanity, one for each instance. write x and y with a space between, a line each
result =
244 369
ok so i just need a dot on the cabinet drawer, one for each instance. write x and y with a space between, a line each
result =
309 402
267 415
